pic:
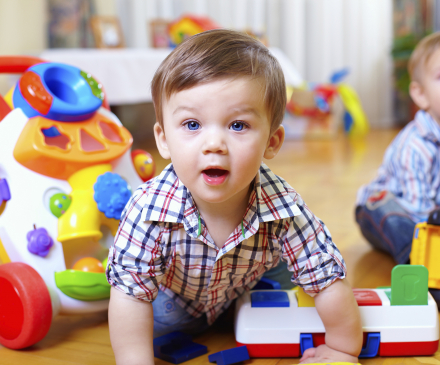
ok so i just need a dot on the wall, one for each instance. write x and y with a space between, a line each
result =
22 30
319 37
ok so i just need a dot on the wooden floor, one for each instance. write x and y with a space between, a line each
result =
327 174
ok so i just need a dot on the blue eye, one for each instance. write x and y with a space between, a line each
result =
237 126
193 126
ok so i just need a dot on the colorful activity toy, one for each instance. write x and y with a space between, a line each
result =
66 173
398 321
187 26
314 101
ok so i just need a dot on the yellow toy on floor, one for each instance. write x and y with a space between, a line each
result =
426 248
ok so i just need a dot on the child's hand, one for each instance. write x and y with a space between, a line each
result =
325 354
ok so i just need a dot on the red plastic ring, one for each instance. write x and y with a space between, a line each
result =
25 306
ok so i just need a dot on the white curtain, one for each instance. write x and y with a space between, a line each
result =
319 37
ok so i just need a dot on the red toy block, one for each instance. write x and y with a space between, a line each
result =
366 297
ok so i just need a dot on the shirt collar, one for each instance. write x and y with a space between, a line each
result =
168 200
427 126
273 196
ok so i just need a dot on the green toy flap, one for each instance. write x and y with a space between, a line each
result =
409 285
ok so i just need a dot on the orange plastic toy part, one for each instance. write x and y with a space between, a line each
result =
70 147
25 306
14 64
18 64
34 92
89 264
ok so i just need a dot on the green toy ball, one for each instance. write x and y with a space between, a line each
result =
59 203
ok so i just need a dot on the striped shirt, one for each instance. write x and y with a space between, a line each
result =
158 245
411 168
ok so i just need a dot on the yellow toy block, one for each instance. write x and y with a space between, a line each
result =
304 300
4 257
426 251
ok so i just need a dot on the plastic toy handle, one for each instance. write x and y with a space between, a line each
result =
14 64
18 64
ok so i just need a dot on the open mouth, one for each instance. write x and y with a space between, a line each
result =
215 176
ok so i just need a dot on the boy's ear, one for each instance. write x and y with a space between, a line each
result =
418 95
161 141
274 144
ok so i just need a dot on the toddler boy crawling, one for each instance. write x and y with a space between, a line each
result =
204 231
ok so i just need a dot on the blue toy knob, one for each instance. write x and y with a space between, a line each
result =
111 194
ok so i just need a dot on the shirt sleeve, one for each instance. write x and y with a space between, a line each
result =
310 253
135 262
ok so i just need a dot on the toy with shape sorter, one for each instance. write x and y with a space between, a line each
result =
66 173
398 321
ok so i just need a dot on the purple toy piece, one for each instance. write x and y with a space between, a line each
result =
39 242
5 193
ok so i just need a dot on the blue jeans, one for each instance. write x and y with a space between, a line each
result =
387 226
170 316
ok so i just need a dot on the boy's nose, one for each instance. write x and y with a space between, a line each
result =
215 143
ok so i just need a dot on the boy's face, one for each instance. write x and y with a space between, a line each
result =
426 93
216 135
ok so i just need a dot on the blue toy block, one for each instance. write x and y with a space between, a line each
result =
177 347
230 356
371 347
266 283
270 299
305 341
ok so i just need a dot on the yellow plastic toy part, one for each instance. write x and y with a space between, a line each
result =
185 26
353 105
304 300
83 219
8 97
426 251
2 207
4 257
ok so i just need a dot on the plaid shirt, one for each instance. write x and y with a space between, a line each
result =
157 246
411 168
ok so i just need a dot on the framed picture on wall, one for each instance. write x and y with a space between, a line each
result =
159 33
107 32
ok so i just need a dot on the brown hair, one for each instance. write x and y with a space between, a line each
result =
215 54
421 54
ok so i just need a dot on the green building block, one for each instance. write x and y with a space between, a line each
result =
409 285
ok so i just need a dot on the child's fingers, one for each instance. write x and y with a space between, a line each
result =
311 352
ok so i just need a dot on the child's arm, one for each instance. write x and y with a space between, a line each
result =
339 313
131 329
